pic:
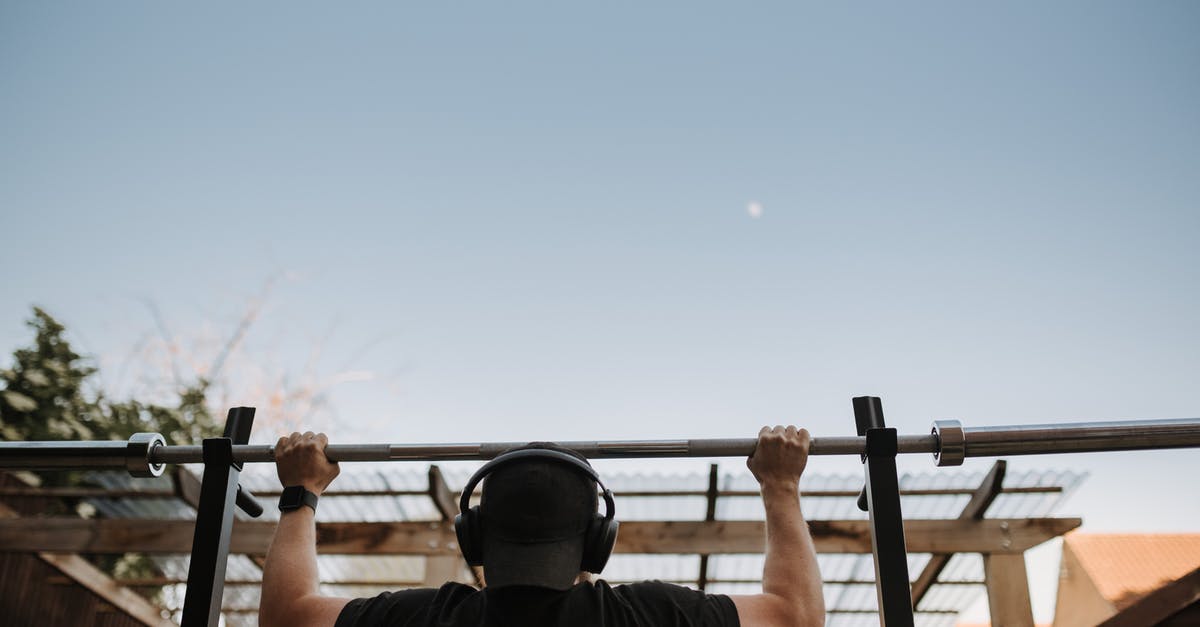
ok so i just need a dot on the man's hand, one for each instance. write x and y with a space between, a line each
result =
780 456
290 592
300 460
792 594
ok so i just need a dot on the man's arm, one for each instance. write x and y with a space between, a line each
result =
290 595
791 593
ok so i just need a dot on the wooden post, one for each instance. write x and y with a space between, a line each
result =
1008 589
980 501
440 569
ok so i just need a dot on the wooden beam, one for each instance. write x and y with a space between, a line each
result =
394 583
442 568
980 501
187 486
1008 590
102 493
100 584
442 495
75 535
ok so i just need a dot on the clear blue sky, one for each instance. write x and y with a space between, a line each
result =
536 215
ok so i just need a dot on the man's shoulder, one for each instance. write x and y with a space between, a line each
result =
652 587
389 607
662 601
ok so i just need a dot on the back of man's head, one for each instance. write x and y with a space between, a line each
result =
535 514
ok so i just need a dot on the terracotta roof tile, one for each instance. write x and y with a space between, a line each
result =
1126 567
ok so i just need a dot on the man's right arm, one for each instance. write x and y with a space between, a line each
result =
792 594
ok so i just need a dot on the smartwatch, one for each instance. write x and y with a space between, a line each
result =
294 497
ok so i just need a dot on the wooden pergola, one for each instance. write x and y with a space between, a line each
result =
60 540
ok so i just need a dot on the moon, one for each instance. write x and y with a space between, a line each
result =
754 209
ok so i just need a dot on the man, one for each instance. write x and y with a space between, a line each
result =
534 581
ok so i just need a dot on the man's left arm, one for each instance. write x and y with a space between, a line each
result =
290 593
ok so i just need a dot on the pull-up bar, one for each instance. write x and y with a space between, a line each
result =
145 454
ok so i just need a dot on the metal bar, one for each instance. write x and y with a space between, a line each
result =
979 442
210 540
1084 437
730 447
214 522
51 455
887 521
710 514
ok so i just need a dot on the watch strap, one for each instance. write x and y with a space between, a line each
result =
296 496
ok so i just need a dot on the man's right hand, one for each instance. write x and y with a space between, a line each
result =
780 455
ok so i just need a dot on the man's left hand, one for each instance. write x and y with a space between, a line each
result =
300 460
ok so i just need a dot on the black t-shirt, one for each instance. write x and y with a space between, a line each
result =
647 604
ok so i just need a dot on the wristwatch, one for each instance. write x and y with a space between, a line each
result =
295 496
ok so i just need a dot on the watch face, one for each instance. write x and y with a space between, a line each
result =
292 498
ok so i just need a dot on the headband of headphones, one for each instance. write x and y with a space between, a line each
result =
464 503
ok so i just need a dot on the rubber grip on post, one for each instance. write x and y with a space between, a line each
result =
246 501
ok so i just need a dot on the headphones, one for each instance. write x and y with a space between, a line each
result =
601 534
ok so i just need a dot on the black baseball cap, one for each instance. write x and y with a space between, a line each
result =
535 514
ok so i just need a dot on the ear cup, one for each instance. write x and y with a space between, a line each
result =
599 543
468 528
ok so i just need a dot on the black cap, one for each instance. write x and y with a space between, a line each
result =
535 514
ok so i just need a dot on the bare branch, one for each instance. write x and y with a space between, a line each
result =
168 339
248 318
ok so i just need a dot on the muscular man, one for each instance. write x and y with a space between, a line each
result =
536 512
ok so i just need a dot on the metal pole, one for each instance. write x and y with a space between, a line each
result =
214 522
616 449
106 454
949 437
1086 437
882 492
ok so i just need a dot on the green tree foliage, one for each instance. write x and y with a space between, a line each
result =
44 397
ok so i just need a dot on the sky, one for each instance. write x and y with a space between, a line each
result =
538 221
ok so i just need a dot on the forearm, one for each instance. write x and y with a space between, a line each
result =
790 569
290 573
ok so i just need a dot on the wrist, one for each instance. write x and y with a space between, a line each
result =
310 485
297 497
780 485
780 492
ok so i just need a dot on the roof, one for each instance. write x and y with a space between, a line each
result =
1125 567
390 492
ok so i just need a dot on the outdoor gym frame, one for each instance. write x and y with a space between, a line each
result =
146 454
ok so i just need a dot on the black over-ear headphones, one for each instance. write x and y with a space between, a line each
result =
601 532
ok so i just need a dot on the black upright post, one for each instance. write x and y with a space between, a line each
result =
214 522
887 522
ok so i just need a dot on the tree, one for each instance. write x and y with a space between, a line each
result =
44 398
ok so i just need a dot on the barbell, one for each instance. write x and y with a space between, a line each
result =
146 454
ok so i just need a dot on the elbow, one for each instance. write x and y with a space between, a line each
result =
800 612
813 616
272 615
806 613
806 616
